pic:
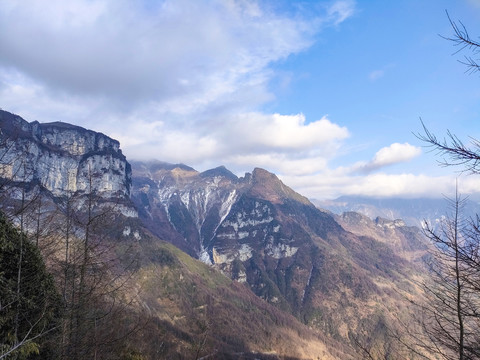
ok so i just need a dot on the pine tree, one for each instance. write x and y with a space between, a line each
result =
29 304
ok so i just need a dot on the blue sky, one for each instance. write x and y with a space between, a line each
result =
326 94
383 69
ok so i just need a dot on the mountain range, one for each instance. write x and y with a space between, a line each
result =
225 266
413 212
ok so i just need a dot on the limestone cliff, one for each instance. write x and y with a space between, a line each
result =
63 159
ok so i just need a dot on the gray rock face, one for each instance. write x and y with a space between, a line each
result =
63 159
184 206
214 216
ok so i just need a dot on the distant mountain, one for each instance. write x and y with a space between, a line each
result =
407 241
412 211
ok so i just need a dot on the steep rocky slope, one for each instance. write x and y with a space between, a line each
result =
259 232
179 204
197 312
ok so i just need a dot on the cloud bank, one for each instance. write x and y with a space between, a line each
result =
182 55
185 81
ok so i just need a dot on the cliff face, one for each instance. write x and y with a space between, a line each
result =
183 206
63 159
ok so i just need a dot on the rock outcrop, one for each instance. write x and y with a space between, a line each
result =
63 159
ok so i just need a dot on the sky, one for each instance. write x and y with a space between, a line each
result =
326 94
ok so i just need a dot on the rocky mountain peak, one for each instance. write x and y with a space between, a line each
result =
267 186
220 171
165 174
75 139
58 136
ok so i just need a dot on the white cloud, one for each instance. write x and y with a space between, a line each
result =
379 73
177 53
260 132
341 10
175 60
390 155
192 51
333 184
395 153
280 143
282 163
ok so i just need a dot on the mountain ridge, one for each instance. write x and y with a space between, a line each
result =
413 211
263 234
333 277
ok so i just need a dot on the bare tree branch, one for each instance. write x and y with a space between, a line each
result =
462 39
453 150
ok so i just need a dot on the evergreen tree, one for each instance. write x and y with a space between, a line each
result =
29 303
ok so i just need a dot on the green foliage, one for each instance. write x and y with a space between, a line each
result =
29 302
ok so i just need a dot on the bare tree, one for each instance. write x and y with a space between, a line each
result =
73 233
451 312
453 151
91 275
452 308
462 40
